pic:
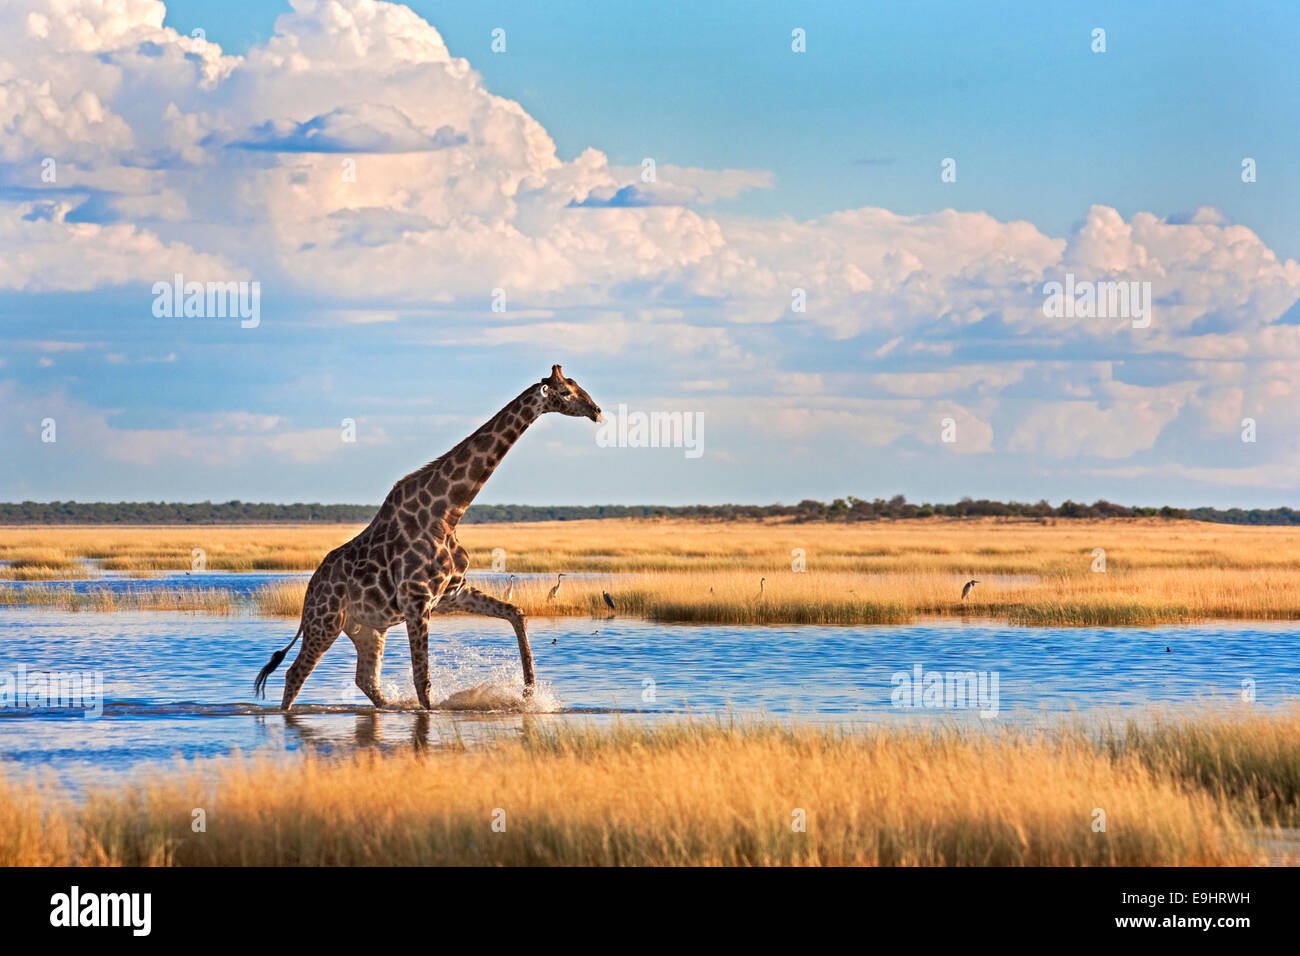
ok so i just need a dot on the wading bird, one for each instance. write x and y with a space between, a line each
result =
761 592
555 590
510 589
609 601
970 586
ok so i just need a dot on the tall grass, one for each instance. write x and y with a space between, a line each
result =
211 600
1251 761
979 547
39 824
162 548
694 792
39 557
282 599
1157 572
43 572
1147 597
1119 599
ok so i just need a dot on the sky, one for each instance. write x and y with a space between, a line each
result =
840 270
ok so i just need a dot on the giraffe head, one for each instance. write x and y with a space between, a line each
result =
564 395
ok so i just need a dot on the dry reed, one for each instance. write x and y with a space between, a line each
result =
695 792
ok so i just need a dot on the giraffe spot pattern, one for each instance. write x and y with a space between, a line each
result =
407 564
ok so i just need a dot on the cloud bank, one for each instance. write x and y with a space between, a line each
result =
352 158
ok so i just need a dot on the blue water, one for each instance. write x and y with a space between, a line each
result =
239 583
179 684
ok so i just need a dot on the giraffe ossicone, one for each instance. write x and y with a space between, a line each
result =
407 563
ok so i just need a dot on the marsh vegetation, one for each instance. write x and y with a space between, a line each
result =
1156 571
1206 791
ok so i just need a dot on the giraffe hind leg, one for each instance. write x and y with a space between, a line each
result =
316 640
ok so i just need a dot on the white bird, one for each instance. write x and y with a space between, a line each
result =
510 590
970 586
555 590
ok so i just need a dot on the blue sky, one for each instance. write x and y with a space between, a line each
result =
1156 124
776 170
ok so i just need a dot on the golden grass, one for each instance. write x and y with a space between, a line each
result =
42 573
1138 598
1157 572
39 563
1133 598
697 792
283 599
983 546
925 546
211 600
161 548
39 825
1253 762
47 557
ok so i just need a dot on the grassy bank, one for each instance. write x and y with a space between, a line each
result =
1193 793
922 546
64 598
826 598
1156 572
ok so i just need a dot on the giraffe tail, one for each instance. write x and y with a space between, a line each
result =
259 685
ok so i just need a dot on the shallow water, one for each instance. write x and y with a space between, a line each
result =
180 684
241 584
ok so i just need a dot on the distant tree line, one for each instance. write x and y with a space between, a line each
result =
847 509
165 512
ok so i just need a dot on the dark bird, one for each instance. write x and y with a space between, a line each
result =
609 601
761 582
554 641
1168 651
970 586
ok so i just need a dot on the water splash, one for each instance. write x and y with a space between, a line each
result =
501 696
494 678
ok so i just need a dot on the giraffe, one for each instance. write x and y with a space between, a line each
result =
407 563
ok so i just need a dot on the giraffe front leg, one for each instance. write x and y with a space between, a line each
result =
473 601
520 624
369 642
417 632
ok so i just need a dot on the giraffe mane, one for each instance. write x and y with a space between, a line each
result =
424 470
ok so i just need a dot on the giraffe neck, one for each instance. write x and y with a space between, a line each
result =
455 479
